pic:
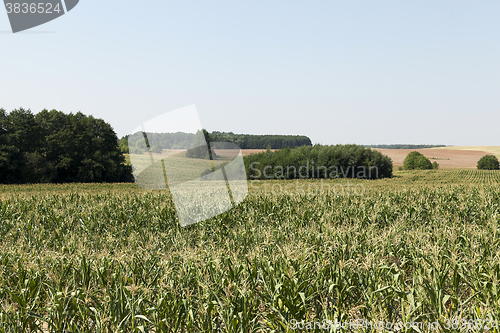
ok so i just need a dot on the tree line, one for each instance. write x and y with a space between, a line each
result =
404 146
54 147
250 141
136 144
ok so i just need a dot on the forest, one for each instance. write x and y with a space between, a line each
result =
54 147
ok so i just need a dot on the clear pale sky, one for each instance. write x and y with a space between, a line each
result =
365 72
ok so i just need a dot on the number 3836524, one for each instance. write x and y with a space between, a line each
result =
32 8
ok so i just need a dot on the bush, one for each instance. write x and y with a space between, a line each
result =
435 165
417 161
488 162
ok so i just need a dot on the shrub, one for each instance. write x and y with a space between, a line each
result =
417 161
488 162
435 165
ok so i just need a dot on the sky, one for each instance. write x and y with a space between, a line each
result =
338 71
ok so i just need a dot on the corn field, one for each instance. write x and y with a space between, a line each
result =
74 259
479 176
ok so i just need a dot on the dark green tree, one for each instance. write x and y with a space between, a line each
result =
416 161
488 162
22 140
56 147
9 154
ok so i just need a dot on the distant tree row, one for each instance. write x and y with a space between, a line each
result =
318 161
158 141
249 141
404 146
53 147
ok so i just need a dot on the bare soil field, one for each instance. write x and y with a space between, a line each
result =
446 158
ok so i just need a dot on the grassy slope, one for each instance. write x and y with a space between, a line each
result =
180 167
